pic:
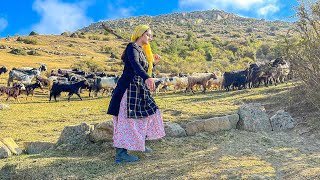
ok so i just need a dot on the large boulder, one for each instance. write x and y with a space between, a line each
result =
37 147
4 151
174 130
102 132
77 134
217 124
194 127
253 117
14 148
281 120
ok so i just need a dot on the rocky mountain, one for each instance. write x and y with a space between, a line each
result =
211 21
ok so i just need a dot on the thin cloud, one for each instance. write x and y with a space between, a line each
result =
209 4
259 7
57 17
269 9
3 24
119 12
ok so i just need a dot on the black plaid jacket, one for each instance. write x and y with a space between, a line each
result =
140 102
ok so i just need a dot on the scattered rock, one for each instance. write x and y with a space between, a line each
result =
14 148
4 151
4 106
281 120
102 132
217 124
194 127
234 119
174 130
76 134
253 117
37 147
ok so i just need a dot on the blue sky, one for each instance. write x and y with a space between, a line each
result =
57 16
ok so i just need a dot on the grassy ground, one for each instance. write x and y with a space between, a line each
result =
39 119
224 155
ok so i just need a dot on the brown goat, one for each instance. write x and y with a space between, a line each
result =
199 80
14 91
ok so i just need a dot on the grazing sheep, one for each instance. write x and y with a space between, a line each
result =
215 83
199 80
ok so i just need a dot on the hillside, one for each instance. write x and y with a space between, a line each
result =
188 42
204 23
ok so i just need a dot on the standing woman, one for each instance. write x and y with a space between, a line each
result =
136 117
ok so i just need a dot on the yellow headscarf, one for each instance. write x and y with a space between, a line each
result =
146 48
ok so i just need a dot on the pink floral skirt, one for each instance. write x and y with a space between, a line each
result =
131 133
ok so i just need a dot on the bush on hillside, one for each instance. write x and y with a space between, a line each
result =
66 34
88 65
27 40
74 35
303 50
94 37
33 53
18 51
106 49
32 33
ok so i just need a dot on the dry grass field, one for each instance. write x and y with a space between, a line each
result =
224 155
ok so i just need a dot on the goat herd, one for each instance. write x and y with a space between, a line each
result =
273 72
73 81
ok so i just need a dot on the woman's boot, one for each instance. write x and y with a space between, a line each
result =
123 156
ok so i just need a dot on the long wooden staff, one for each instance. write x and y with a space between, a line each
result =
123 38
114 33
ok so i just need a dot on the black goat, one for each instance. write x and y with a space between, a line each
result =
70 87
235 79
31 87
3 70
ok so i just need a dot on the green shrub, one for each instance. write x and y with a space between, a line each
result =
33 53
66 34
18 51
88 65
93 37
27 40
32 33
106 49
74 35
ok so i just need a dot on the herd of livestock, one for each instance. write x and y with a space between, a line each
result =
72 81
